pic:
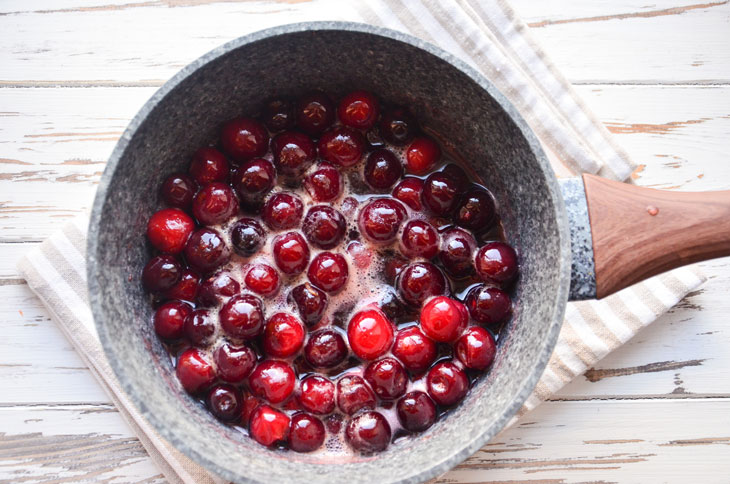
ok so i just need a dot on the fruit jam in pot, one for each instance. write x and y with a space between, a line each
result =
325 278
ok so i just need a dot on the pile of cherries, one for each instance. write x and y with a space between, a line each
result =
322 275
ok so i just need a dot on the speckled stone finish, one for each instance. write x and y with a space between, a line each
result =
583 268
447 96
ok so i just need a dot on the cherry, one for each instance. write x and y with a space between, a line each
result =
475 210
199 327
419 281
206 250
244 138
447 384
178 190
293 152
169 229
391 306
419 239
215 203
328 271
315 112
368 432
354 394
444 319
398 126
325 348
268 426
282 210
278 115
422 155
476 348
242 316
272 380
342 146
310 301
440 193
306 433
382 169
161 273
317 395
169 319
409 192
194 371
283 335
253 180
234 363
209 165
380 219
324 183
216 287
393 267
291 253
416 411
416 351
247 237
488 305
262 279
456 254
458 175
370 333
186 289
359 109
324 226
387 377
224 402
496 262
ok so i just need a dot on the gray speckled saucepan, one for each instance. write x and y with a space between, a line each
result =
446 95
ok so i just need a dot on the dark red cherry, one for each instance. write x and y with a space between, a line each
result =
194 371
268 426
496 262
368 432
170 318
242 316
224 402
414 349
291 253
253 180
409 192
216 287
199 327
262 279
294 153
161 273
488 305
328 271
209 165
456 254
359 109
440 194
370 333
310 301
234 363
475 210
444 319
272 380
382 169
393 267
324 183
387 377
458 175
398 126
215 203
315 113
283 335
416 411
278 115
419 239
250 404
419 281
380 219
317 395
178 190
342 146
476 348
325 348
169 229
353 394
247 237
243 139
324 226
206 250
186 289
282 211
306 433
447 384
422 155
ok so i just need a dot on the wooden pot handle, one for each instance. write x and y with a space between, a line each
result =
640 232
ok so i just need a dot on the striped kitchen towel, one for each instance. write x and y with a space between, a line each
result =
487 35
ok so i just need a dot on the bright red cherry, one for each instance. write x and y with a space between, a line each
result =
209 165
370 333
282 211
398 126
419 281
206 250
199 327
456 254
382 169
161 273
253 180
293 152
496 262
216 287
315 112
170 318
409 191
475 210
359 109
215 203
476 348
291 253
324 226
243 139
242 316
419 239
317 395
186 288
368 432
422 155
324 183
306 433
262 279
283 335
447 384
268 426
328 271
342 146
387 377
310 301
440 193
234 363
169 229
272 380
353 394
194 371
247 237
416 411
380 219
178 190
488 305
444 319
325 348
224 402
414 349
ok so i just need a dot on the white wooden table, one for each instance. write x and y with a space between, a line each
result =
73 72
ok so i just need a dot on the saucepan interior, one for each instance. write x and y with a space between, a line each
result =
235 79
